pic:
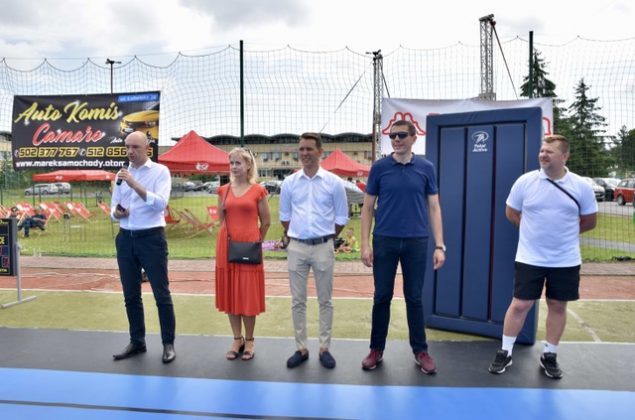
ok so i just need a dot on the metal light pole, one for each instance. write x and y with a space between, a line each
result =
530 82
111 63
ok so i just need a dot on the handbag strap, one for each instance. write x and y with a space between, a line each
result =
229 185
555 184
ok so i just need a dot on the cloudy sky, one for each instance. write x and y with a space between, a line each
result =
121 28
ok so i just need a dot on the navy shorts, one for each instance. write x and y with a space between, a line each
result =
562 283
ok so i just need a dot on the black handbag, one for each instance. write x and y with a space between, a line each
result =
244 252
241 252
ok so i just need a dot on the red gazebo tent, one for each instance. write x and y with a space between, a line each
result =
74 175
193 155
341 164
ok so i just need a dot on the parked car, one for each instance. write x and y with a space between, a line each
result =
211 186
43 189
624 191
273 186
193 186
598 190
609 185
354 195
63 187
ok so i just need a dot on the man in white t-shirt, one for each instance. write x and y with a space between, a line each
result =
552 207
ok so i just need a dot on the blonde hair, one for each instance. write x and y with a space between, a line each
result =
248 157
563 142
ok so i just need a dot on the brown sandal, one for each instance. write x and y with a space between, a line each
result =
248 355
233 354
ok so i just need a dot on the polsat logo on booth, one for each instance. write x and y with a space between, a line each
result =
201 166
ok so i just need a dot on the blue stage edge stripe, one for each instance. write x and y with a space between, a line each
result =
71 394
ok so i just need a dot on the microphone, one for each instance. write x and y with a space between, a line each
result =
119 180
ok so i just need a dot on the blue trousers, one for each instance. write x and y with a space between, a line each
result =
31 222
413 256
146 249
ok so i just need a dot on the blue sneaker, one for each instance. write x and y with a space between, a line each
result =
297 359
327 360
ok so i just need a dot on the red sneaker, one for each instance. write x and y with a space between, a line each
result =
426 363
371 361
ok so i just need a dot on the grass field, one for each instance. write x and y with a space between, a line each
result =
197 315
95 237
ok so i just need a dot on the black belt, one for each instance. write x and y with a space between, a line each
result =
314 241
141 232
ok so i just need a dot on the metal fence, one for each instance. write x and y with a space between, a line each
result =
292 91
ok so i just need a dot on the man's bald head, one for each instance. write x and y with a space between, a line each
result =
137 146
138 136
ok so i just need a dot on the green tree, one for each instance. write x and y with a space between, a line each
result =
586 135
624 151
542 87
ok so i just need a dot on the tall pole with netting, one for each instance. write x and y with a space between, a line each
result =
530 80
111 63
487 58
242 96
378 92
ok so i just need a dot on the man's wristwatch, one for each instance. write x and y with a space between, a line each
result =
441 247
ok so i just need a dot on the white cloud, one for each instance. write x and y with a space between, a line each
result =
243 13
77 28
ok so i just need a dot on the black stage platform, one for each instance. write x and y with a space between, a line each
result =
63 372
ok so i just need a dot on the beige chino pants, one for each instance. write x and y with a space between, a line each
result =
321 258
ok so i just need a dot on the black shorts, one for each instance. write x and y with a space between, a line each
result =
562 283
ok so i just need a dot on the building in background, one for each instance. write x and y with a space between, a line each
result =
5 144
277 155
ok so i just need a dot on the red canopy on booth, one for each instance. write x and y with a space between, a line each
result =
74 176
341 164
193 155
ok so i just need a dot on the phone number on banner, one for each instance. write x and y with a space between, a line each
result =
73 152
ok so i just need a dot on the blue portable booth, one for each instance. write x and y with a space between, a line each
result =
478 156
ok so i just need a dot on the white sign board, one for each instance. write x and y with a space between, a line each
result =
416 111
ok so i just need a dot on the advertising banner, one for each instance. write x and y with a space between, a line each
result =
81 131
416 111
8 249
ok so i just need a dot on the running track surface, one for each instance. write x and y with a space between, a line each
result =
54 374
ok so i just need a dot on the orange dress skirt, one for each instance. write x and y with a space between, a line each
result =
240 288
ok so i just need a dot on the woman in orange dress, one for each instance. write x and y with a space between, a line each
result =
240 288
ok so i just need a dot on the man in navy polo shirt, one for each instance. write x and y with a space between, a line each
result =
405 190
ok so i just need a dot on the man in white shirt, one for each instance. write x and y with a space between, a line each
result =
138 203
552 207
313 210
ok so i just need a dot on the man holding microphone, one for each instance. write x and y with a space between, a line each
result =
138 203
